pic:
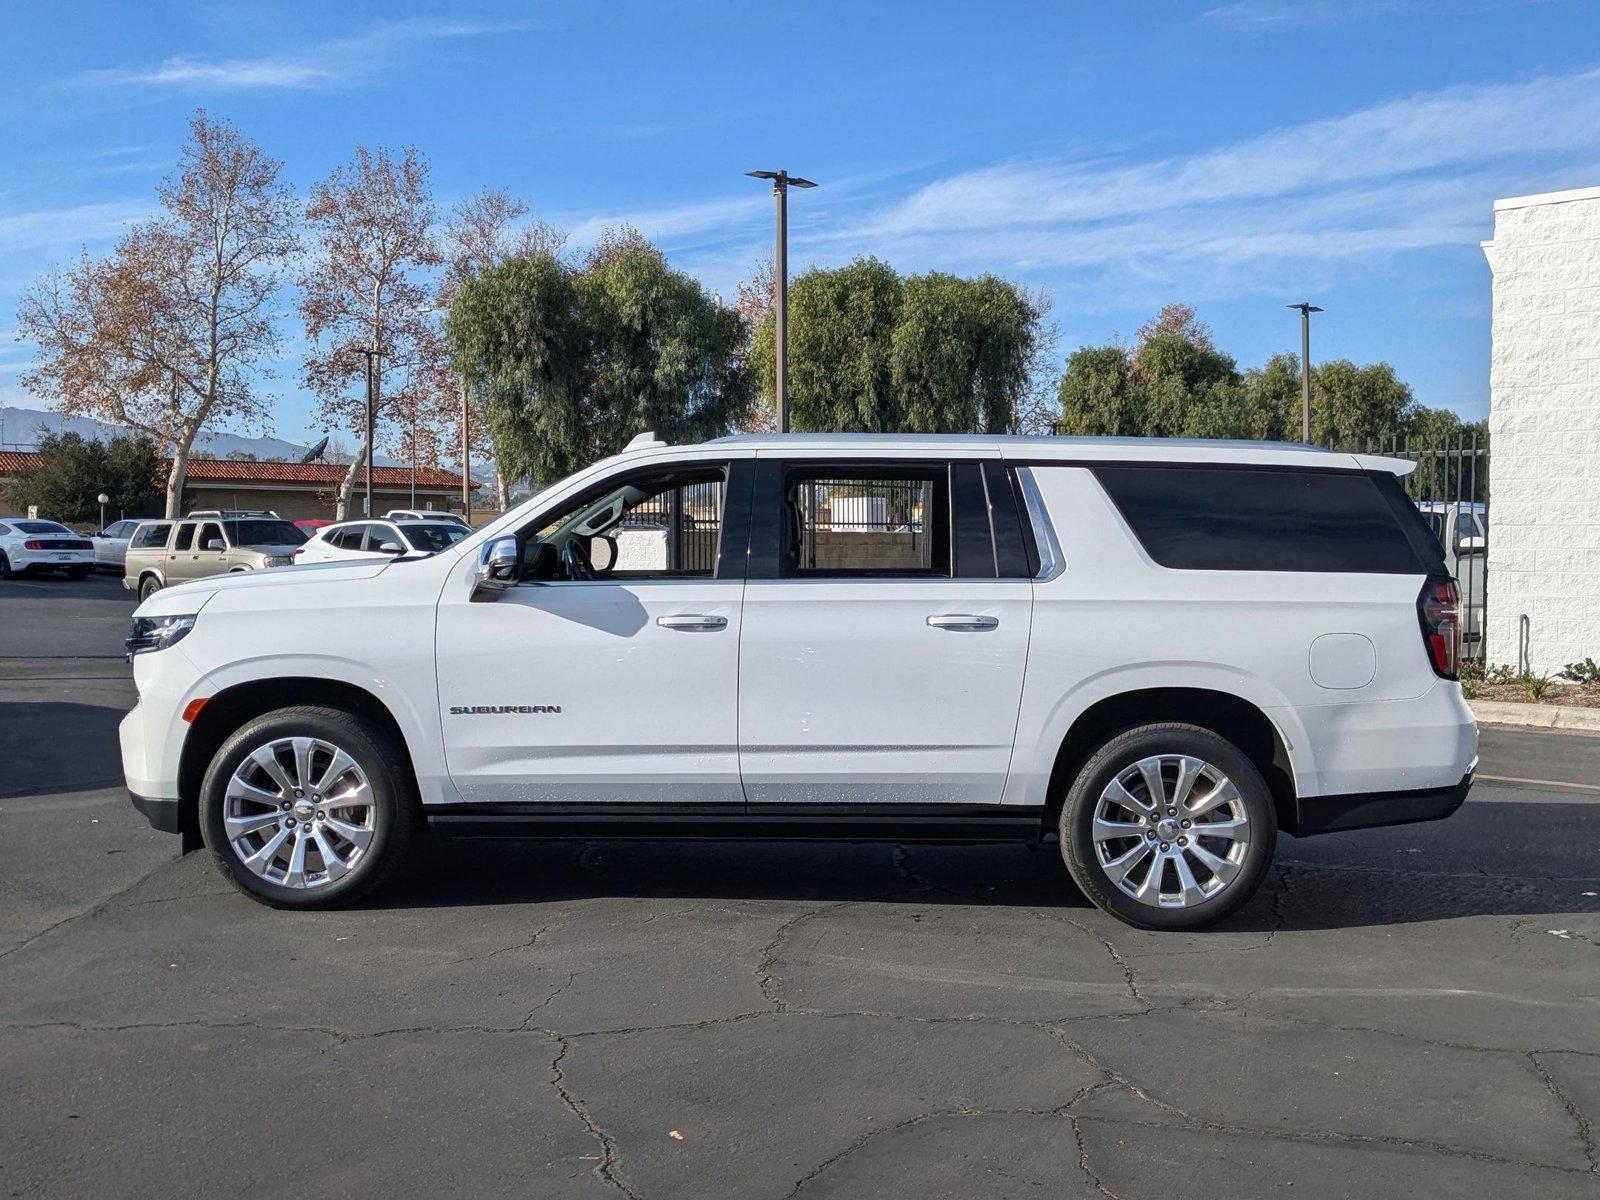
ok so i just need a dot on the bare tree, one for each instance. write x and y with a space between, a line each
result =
483 231
373 221
1179 319
756 298
164 334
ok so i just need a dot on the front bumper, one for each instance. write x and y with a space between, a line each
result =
1370 810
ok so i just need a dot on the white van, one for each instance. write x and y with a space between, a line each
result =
1153 654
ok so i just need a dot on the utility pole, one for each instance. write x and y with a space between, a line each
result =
1306 310
782 181
466 455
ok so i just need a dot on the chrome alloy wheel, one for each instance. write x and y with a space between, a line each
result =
1171 831
299 812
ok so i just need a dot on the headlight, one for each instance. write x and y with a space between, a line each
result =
156 633
278 560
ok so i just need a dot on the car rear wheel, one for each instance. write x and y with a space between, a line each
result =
1168 826
78 572
148 586
309 807
5 566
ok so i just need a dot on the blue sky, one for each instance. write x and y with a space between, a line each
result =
1238 156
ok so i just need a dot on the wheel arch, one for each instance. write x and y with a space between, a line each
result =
230 708
1227 715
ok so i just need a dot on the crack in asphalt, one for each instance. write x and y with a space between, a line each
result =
1116 957
769 954
95 908
606 1168
527 945
1585 1126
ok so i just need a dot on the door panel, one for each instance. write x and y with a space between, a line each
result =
848 694
617 691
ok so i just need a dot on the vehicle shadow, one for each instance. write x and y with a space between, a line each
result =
1466 867
32 760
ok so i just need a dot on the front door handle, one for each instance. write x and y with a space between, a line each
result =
963 621
692 621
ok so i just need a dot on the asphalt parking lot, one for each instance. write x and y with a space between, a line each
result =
1411 1012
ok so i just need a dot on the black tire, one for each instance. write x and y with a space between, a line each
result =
1118 754
5 566
78 572
396 810
148 586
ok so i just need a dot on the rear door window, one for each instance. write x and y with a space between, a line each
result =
185 538
1224 518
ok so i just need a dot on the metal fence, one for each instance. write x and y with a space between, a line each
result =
895 507
1450 487
690 518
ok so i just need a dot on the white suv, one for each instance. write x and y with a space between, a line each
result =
1157 654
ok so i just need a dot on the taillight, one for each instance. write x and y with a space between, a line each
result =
1439 607
33 544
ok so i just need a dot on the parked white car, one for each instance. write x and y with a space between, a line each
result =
1152 655
1462 527
111 545
426 514
28 546
379 539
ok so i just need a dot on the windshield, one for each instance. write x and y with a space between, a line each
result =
40 527
264 533
433 536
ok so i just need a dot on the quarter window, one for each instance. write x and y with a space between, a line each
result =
1260 519
151 537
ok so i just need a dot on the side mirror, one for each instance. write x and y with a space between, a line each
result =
1471 545
497 568
390 548
214 544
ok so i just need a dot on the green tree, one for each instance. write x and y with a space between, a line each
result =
1096 397
574 361
73 470
874 352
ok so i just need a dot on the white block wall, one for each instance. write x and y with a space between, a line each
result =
1544 428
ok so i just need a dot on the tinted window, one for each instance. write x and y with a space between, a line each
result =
151 536
377 535
265 533
41 527
185 538
210 532
346 537
433 536
1255 519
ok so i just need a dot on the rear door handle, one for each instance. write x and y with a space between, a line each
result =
692 621
963 621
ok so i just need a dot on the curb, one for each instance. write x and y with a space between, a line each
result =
1539 716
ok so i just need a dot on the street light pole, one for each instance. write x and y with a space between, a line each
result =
781 182
1306 310
466 455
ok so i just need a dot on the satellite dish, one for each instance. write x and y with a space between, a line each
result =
316 452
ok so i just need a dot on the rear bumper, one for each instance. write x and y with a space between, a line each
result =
162 814
1369 810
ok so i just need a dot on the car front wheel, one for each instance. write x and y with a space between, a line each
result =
1168 826
309 807
148 587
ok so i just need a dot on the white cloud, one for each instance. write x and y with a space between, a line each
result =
1401 175
1257 16
320 65
74 225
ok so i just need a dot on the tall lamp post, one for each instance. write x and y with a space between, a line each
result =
104 500
1305 367
782 181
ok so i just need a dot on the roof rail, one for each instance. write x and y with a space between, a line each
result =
643 441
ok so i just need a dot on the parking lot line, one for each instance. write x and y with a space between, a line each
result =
1550 783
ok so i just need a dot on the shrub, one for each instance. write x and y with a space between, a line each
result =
1586 672
1534 685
